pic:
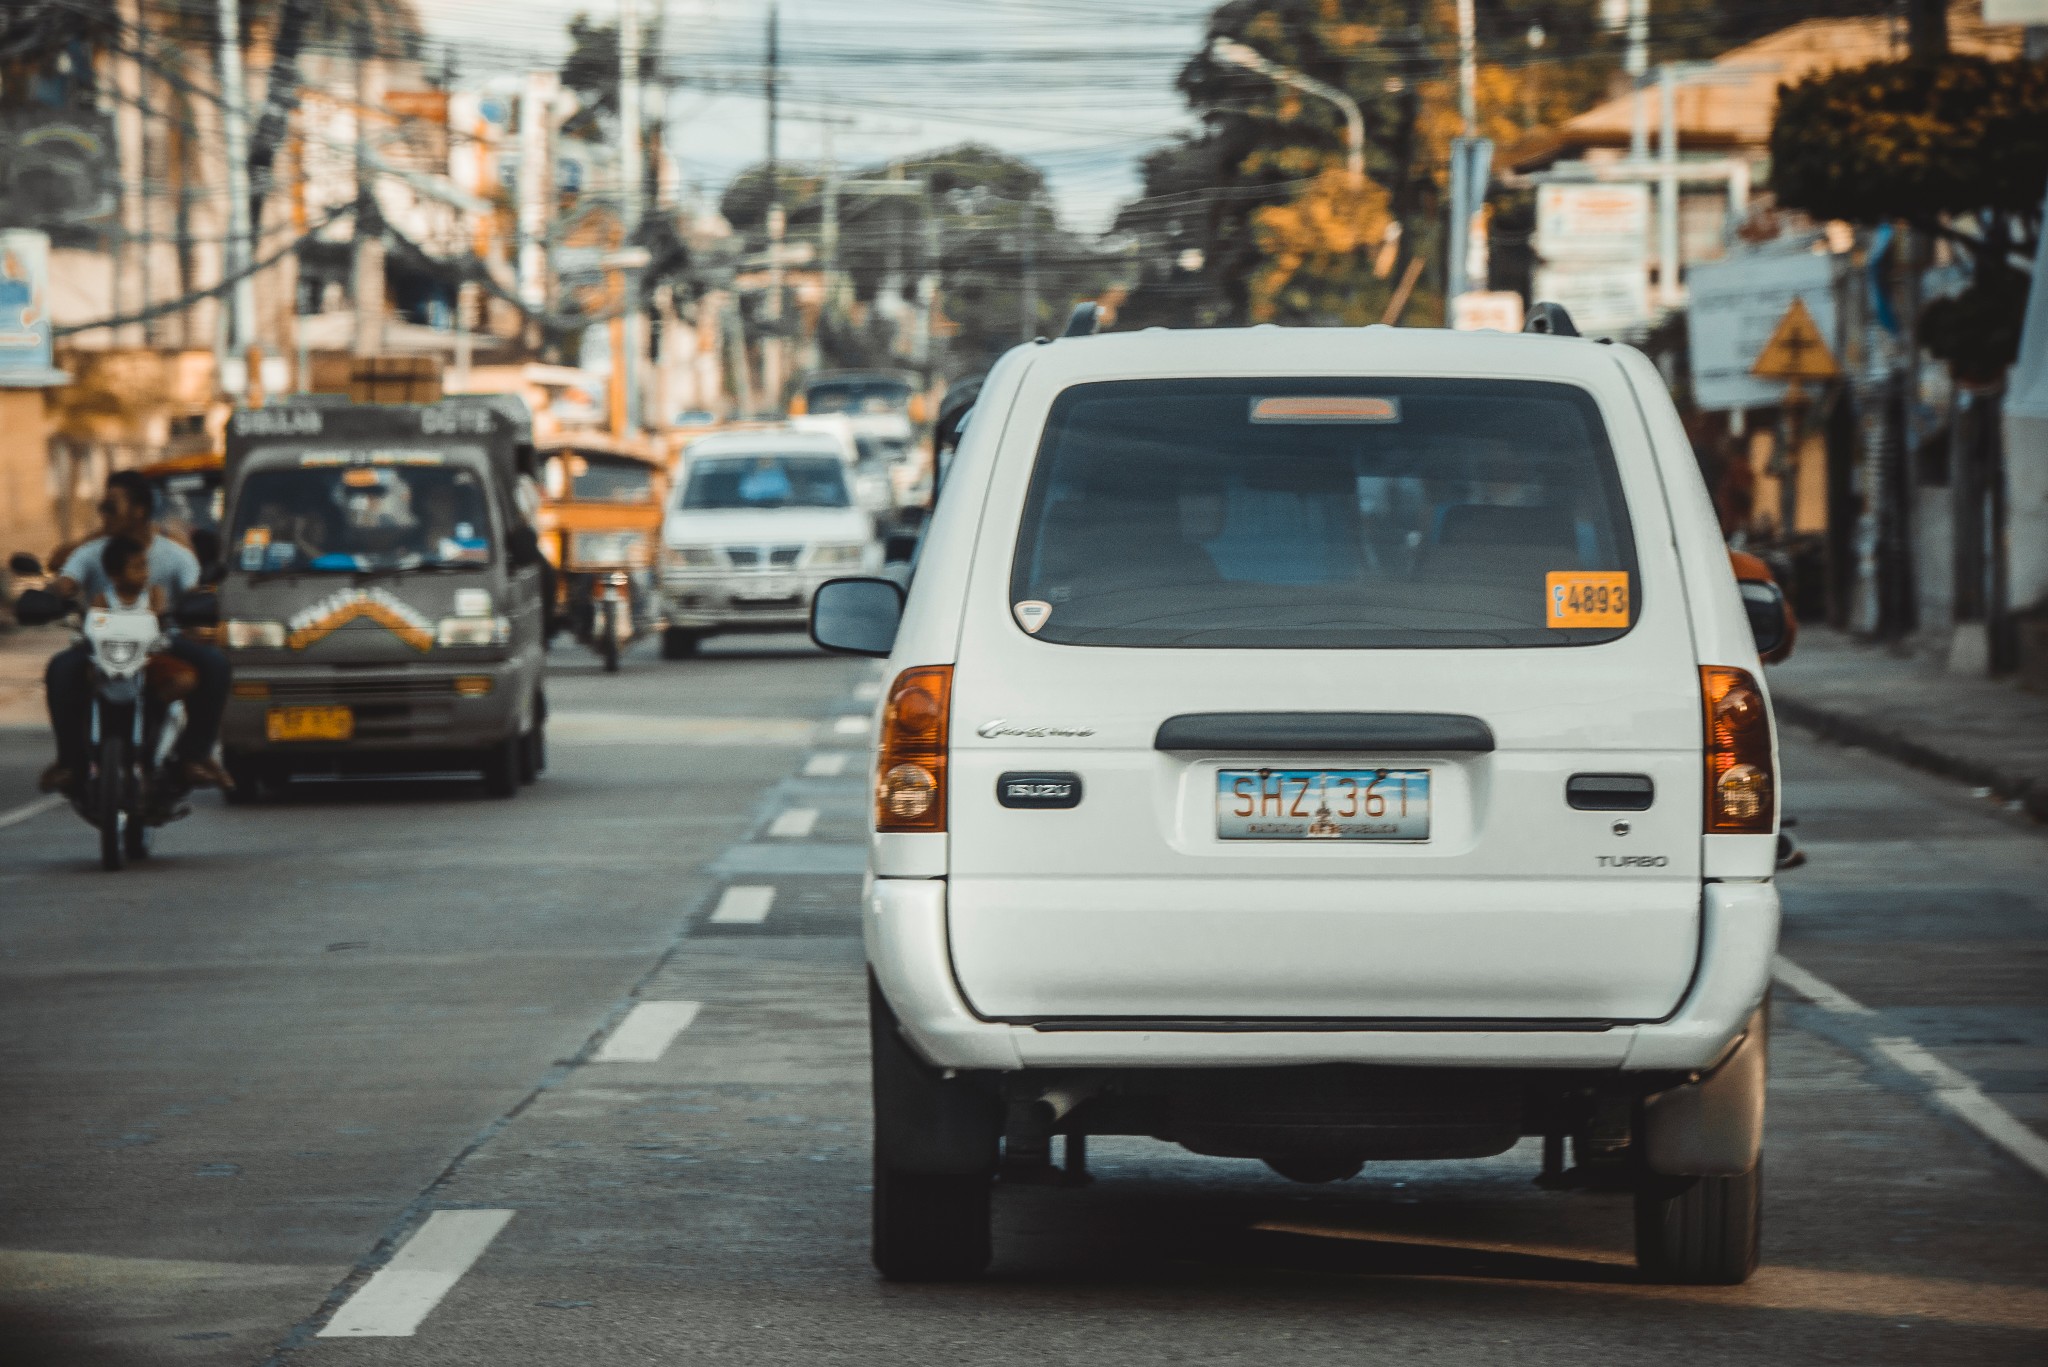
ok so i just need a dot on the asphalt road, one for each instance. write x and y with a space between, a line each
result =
363 1057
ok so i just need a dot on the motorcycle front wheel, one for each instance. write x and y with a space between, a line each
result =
110 787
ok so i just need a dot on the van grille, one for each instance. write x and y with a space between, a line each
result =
359 690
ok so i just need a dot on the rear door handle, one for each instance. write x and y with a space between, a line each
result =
1401 732
1610 792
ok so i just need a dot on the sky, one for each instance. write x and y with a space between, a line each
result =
1080 87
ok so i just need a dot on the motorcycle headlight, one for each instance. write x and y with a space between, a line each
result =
253 635
840 557
120 654
473 631
690 558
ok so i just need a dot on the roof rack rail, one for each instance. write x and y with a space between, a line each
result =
1550 319
1083 321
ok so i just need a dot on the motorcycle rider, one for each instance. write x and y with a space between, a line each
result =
127 509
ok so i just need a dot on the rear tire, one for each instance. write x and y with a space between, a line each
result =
109 792
677 644
1699 1231
502 764
930 1228
135 838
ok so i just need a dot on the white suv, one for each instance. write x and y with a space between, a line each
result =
1320 746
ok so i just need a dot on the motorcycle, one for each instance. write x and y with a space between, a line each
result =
132 787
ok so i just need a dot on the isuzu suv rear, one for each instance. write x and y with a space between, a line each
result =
1321 747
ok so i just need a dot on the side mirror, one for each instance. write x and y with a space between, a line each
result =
38 607
1768 619
25 565
200 608
857 616
522 545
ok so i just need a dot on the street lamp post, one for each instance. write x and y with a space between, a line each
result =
1237 54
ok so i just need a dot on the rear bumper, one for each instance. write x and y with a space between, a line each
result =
904 923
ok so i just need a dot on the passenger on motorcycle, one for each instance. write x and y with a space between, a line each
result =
170 570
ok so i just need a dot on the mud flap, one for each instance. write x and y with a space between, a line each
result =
1713 1127
925 1122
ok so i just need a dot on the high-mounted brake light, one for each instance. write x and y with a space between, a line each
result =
910 782
1742 796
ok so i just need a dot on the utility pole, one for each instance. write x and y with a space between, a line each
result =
1468 69
366 277
536 185
234 130
627 334
772 377
1470 166
131 264
1637 65
1027 294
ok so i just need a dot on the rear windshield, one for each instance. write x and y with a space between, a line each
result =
1307 513
857 396
765 482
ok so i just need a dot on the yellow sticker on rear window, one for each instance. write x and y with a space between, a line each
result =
1586 598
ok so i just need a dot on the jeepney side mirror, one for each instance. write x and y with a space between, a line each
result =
522 544
197 609
1765 605
857 616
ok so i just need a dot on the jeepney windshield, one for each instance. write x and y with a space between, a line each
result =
351 511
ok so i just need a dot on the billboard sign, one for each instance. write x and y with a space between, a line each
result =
1610 222
25 310
1736 307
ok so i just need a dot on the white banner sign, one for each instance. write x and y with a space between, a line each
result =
1604 298
1585 222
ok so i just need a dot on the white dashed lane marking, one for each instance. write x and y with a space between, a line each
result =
825 766
1952 1089
794 823
744 906
646 1032
30 810
868 690
852 724
405 1290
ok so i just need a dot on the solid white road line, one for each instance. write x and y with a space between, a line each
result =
646 1032
794 823
825 766
1952 1088
852 724
868 690
29 810
405 1290
744 906
1821 994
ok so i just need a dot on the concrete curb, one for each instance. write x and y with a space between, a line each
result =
1849 729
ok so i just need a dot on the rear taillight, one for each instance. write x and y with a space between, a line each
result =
910 780
1742 796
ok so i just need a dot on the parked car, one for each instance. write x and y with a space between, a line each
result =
1324 747
759 519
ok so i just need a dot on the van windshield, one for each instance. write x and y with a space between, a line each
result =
1317 512
766 482
331 513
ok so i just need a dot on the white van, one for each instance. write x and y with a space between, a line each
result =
758 519
1320 746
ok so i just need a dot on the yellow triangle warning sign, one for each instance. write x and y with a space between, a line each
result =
1796 350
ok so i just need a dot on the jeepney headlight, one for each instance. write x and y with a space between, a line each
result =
253 635
473 631
472 602
690 558
608 548
848 556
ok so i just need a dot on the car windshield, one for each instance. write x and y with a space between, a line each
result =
587 479
189 502
766 481
351 512
1305 513
857 396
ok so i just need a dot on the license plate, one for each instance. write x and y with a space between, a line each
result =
310 723
777 590
1322 804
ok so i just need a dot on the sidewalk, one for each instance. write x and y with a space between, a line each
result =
1987 732
23 653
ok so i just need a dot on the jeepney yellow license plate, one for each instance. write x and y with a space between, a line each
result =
310 723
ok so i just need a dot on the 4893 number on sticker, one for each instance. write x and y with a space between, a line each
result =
1586 598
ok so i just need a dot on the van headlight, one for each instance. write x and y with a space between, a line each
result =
253 635
849 556
690 558
473 631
